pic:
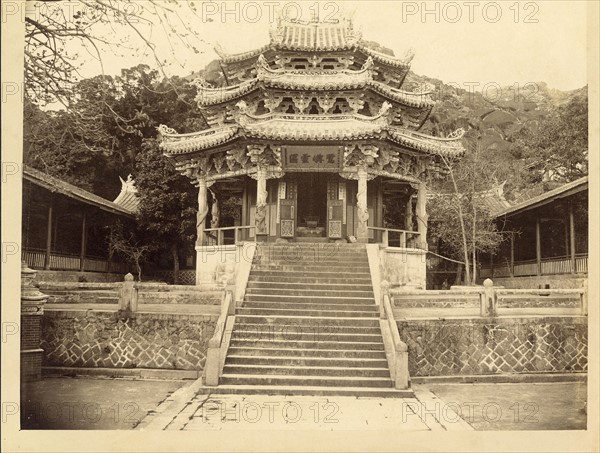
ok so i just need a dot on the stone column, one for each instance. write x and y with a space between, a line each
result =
408 214
202 211
261 204
32 310
362 232
215 211
422 214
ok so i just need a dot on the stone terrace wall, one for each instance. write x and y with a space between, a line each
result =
105 339
477 346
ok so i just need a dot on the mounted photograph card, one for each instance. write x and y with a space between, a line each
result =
300 226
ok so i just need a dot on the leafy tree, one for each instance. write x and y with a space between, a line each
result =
58 34
127 244
558 146
459 216
167 204
97 138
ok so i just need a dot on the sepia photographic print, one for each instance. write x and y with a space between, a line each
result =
299 226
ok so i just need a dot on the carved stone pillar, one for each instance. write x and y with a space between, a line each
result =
202 211
362 232
215 211
32 310
261 204
422 214
408 213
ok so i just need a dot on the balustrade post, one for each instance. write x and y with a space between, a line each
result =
385 237
401 365
584 302
488 299
128 296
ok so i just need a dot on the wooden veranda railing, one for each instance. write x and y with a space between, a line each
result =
40 259
546 266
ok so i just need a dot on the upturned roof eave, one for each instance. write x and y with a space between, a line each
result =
381 132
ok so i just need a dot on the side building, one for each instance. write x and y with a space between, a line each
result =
65 229
548 242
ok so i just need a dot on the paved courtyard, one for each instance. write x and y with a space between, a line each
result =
104 403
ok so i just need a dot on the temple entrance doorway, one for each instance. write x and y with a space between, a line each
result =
312 204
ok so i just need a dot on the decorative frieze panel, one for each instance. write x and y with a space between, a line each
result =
287 228
335 229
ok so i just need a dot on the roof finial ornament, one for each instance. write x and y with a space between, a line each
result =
242 106
165 130
385 108
458 133
262 63
369 65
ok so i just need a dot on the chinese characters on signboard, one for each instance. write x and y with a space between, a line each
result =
306 158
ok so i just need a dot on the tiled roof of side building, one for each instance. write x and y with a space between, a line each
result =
570 188
128 198
54 184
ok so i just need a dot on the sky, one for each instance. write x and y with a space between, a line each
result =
469 43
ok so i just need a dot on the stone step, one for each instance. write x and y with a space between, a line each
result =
315 381
310 299
313 258
350 292
252 285
307 305
309 271
311 321
317 245
309 261
318 299
313 329
294 267
296 390
295 370
294 335
317 279
293 344
332 362
354 313
252 350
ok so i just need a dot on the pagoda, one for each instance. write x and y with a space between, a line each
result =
315 135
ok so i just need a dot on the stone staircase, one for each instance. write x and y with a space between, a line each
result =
308 325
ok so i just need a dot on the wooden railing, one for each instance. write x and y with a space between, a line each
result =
391 237
36 259
217 345
398 357
548 266
217 236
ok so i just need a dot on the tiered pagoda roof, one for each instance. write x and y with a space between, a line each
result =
313 82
